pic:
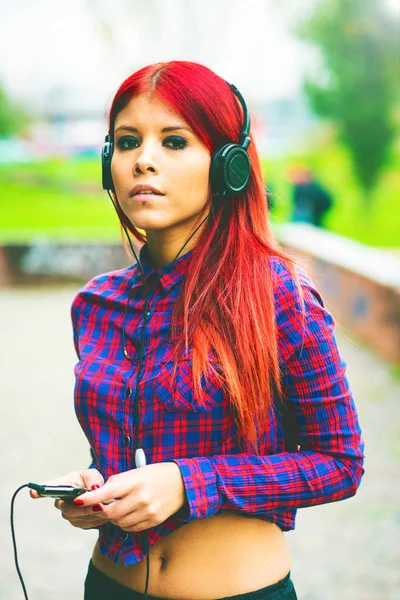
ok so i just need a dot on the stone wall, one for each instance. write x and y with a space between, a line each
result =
43 261
360 285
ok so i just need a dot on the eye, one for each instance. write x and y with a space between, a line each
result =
177 143
127 142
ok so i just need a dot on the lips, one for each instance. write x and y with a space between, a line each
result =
141 189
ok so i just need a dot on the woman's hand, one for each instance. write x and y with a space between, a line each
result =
84 518
143 497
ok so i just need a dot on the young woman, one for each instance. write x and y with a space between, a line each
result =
190 359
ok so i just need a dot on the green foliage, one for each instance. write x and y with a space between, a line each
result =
358 44
13 117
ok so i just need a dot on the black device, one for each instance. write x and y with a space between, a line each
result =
230 165
63 492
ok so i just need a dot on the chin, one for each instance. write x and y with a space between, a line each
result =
147 223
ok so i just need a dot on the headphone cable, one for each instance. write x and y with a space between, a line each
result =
14 540
144 533
214 206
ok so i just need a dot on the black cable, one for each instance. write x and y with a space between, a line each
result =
32 486
214 205
14 541
144 533
126 233
146 549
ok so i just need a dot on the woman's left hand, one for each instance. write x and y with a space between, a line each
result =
145 497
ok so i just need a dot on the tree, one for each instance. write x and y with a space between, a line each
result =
358 44
13 117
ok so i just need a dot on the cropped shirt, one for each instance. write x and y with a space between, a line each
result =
201 437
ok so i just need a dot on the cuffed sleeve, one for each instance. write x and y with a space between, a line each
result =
200 481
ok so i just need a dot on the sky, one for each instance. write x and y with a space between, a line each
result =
89 47
77 53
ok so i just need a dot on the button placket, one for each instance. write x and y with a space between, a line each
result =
126 438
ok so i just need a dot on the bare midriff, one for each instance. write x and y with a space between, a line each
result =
224 555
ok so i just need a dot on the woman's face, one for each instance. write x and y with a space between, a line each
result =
154 146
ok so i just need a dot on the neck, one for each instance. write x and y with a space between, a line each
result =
164 245
163 250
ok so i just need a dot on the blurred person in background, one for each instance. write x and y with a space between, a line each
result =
209 383
310 200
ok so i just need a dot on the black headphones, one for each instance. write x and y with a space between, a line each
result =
230 165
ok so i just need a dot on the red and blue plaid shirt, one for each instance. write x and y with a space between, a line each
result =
200 437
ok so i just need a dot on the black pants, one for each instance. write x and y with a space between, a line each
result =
100 587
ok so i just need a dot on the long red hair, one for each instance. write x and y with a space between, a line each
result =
227 301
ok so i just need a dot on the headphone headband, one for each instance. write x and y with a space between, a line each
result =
244 136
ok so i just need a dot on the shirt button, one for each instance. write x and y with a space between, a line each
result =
128 392
148 314
127 440
124 536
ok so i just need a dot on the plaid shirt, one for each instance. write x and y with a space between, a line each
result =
199 435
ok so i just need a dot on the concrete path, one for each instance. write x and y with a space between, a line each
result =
348 550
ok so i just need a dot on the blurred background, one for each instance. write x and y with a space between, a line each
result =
321 79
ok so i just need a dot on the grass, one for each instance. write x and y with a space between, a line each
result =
56 170
40 199
29 212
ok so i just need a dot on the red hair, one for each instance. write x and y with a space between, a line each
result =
226 304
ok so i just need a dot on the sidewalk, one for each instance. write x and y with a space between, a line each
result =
348 550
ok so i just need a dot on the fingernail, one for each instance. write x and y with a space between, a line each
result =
78 502
95 487
97 508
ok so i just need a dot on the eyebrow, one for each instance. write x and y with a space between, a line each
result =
164 130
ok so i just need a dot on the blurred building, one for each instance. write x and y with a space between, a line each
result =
71 122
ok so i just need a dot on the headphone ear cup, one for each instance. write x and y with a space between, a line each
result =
216 172
106 156
230 170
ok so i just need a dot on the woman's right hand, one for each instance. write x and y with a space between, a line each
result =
84 518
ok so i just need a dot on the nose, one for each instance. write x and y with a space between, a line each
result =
145 160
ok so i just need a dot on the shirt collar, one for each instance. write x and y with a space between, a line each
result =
170 274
